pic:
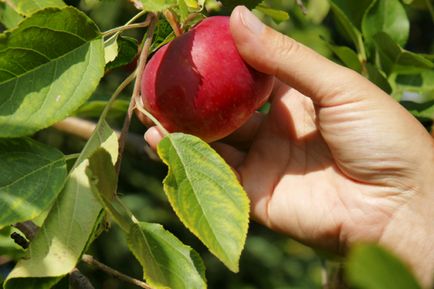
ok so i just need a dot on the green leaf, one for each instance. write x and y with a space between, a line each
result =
386 16
206 196
127 49
69 225
277 15
166 261
395 59
28 7
372 267
378 77
111 48
348 29
9 17
49 66
348 57
31 176
420 110
157 5
353 10
94 109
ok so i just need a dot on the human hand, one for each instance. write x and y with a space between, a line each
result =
336 160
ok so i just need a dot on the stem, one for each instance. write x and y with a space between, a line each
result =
301 5
170 17
152 18
135 17
71 156
115 94
79 281
154 120
90 260
125 27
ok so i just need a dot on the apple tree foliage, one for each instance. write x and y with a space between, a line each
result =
52 59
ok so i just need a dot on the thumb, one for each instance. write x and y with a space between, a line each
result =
271 52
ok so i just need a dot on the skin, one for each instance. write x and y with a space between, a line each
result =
336 161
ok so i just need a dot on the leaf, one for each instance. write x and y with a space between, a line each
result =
68 227
277 15
353 10
372 267
206 195
49 66
9 17
348 57
94 109
31 176
347 27
395 59
157 5
386 16
28 7
378 77
111 48
166 261
420 110
127 49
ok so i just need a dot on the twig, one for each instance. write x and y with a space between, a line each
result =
76 279
90 260
302 6
136 91
125 27
134 143
28 228
170 17
79 281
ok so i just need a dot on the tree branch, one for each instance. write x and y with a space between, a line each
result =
134 143
90 260
123 136
79 281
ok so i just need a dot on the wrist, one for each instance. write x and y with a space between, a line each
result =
410 234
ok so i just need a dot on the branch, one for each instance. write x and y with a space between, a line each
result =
79 281
134 143
123 137
170 17
301 5
76 279
90 260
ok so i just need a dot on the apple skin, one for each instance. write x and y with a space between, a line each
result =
199 84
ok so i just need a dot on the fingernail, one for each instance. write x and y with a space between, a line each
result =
251 21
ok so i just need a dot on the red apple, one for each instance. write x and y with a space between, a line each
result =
199 84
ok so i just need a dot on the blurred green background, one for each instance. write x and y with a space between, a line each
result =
270 260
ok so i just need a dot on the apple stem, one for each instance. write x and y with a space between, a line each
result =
170 17
151 117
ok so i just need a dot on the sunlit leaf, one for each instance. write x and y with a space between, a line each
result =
49 66
206 195
69 225
387 16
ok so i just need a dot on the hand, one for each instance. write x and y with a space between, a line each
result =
336 160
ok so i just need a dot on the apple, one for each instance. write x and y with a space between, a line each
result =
199 84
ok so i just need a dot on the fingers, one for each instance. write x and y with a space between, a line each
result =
271 52
153 136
